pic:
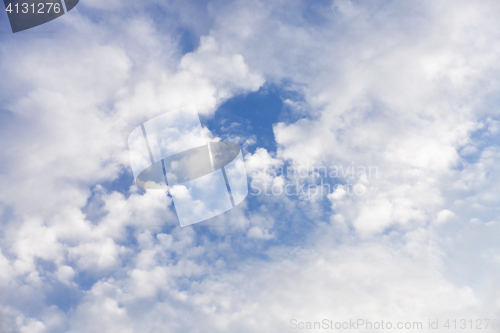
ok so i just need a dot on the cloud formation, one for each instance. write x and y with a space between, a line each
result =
404 86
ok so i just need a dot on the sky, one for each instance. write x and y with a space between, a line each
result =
370 132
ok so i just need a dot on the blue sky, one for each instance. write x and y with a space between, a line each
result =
408 88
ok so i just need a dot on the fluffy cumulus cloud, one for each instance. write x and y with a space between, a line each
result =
397 119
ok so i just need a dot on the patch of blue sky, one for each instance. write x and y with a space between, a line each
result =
293 221
255 114
168 20
65 297
93 209
314 12
485 137
5 29
30 301
86 279
7 122
249 115
62 295
6 215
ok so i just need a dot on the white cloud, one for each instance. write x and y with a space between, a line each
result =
228 73
444 216
400 86
305 285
